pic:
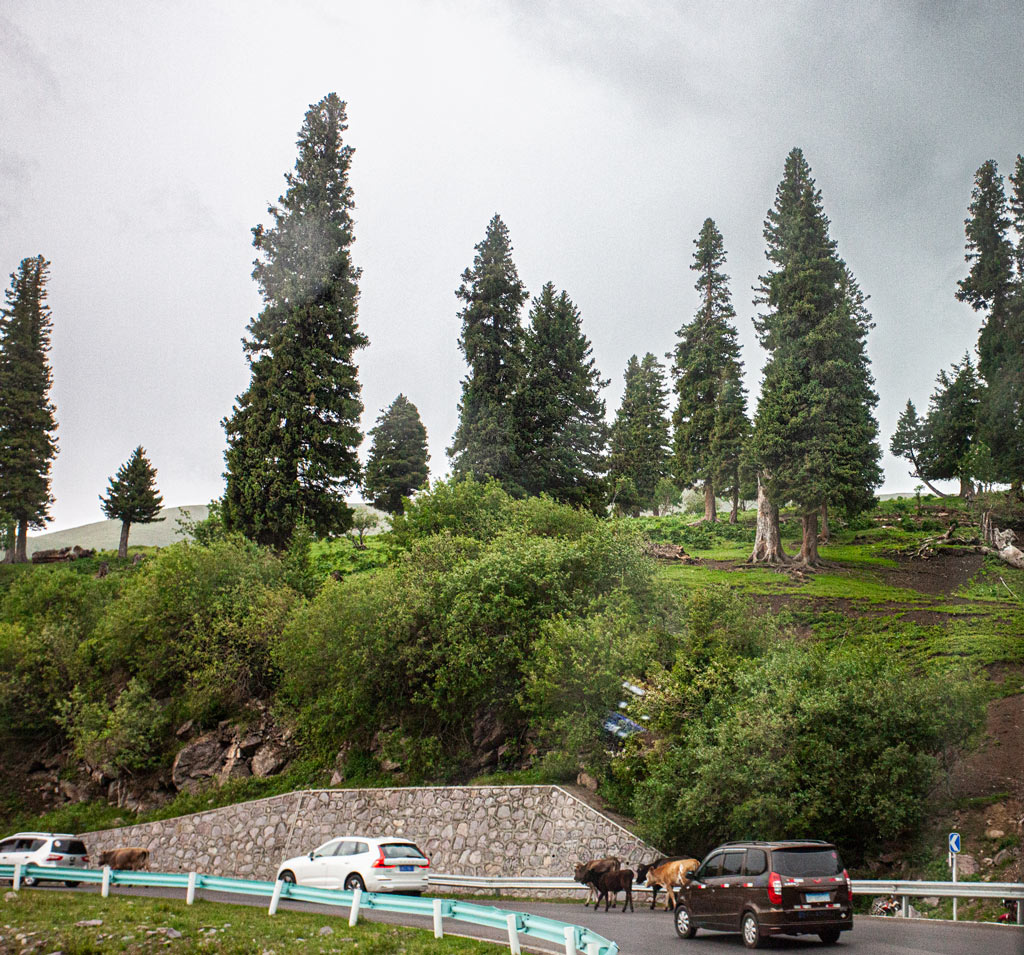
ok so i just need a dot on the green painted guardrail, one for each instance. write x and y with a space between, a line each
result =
574 938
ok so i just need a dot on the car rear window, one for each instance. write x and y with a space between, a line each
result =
807 863
71 847
401 850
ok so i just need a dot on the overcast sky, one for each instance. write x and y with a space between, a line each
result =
140 142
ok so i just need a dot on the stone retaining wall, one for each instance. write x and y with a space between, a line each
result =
470 830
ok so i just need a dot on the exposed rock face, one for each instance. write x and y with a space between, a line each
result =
200 760
270 758
473 830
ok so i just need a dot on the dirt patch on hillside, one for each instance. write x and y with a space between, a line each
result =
942 574
998 763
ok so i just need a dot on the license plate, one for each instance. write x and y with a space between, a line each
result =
817 897
412 868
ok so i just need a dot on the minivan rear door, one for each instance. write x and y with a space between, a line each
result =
812 877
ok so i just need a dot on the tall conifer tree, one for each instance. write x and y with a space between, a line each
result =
487 440
563 435
814 434
951 428
706 365
992 287
640 455
27 441
397 463
293 435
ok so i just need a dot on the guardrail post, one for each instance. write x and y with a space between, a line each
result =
276 897
905 906
16 884
438 926
190 893
570 940
1020 911
105 886
353 915
593 949
512 921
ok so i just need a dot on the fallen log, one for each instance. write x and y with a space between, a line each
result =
668 552
1001 543
59 554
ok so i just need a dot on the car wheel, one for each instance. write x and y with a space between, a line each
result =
830 936
288 876
750 931
354 881
72 885
684 924
29 880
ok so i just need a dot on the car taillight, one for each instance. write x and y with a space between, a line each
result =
775 888
381 863
849 884
85 860
53 858
426 863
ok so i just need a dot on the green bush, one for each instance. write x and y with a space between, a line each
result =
804 741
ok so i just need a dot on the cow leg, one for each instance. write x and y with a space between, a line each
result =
629 899
670 897
654 894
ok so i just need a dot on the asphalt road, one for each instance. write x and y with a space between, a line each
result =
644 932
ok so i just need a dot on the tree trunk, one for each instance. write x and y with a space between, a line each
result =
734 514
21 544
122 547
767 541
824 535
8 539
809 545
924 480
710 512
966 488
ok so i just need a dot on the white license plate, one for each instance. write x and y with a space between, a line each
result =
817 896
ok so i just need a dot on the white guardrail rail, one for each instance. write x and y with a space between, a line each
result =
573 939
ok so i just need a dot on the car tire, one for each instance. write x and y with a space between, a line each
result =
29 880
354 881
830 936
288 876
751 931
72 885
684 923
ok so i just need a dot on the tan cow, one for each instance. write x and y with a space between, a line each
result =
125 859
670 874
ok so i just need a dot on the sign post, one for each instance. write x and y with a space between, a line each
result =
954 851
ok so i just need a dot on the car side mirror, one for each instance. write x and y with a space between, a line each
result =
311 857
691 874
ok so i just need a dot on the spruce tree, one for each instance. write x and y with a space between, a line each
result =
488 437
706 365
814 437
950 430
132 497
992 287
729 436
397 463
640 455
559 410
293 435
27 425
908 442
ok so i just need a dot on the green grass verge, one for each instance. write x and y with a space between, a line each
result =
44 921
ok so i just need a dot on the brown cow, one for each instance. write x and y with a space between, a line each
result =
669 874
609 884
645 867
125 859
589 872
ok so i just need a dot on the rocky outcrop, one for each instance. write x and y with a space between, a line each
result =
229 752
472 830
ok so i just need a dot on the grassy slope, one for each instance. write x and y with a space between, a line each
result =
46 921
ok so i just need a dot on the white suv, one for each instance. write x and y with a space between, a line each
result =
358 862
44 849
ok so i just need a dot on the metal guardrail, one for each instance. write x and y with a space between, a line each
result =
574 938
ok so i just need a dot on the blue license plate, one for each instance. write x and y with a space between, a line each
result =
817 896
412 868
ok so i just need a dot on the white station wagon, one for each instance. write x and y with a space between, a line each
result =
43 849
359 862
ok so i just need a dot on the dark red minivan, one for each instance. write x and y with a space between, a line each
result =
761 889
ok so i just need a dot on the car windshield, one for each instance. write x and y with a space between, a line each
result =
807 863
401 850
